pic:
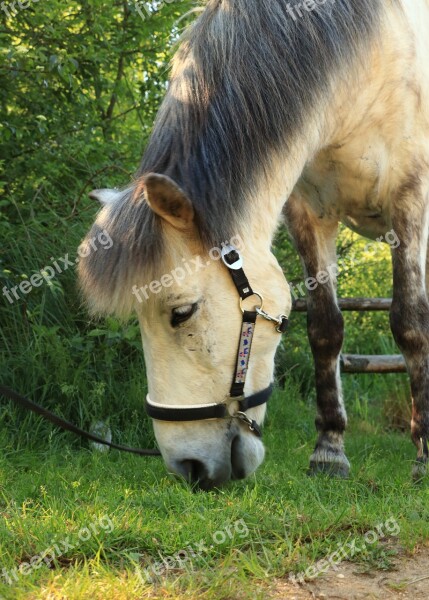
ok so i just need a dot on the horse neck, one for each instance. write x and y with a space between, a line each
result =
334 118
276 185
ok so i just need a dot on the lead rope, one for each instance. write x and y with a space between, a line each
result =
66 425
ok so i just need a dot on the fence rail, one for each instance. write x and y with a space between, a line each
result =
360 363
352 304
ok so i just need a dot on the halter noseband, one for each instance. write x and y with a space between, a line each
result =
161 412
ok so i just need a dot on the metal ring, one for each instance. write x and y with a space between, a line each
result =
256 307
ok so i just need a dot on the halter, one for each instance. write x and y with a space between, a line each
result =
202 412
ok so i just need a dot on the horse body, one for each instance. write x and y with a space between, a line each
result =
378 133
372 174
333 127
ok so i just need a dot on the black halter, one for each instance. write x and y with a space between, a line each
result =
161 412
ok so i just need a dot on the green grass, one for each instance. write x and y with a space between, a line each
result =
52 486
289 521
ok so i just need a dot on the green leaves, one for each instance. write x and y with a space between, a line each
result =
80 85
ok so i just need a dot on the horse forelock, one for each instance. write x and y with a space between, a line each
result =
127 248
136 253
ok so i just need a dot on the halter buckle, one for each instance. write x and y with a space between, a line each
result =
235 266
252 425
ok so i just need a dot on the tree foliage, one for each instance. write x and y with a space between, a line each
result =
80 87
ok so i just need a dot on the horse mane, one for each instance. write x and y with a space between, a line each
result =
244 79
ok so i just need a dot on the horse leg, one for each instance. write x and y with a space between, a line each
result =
314 239
410 308
427 272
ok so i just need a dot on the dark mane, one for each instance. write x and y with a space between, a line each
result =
245 78
243 82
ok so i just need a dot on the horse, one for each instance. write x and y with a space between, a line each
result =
306 114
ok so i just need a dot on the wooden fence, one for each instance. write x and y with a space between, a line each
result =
360 363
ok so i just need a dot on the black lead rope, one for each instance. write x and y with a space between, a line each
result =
66 425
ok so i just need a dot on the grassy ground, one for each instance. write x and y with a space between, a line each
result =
124 515
78 524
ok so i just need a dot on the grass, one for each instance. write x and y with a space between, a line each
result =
278 522
111 519
53 489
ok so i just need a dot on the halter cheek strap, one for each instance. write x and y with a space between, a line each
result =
161 412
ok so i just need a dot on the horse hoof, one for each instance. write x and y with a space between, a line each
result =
419 470
338 470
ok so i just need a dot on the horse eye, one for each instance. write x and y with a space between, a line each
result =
182 313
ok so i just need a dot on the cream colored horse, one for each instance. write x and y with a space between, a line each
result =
330 126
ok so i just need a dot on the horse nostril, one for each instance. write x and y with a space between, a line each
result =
194 471
238 470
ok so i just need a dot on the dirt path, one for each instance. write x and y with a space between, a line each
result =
409 579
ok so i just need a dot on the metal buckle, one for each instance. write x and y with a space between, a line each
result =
256 308
238 264
268 317
243 417
252 425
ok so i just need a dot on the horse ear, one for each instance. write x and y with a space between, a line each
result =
105 196
169 201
